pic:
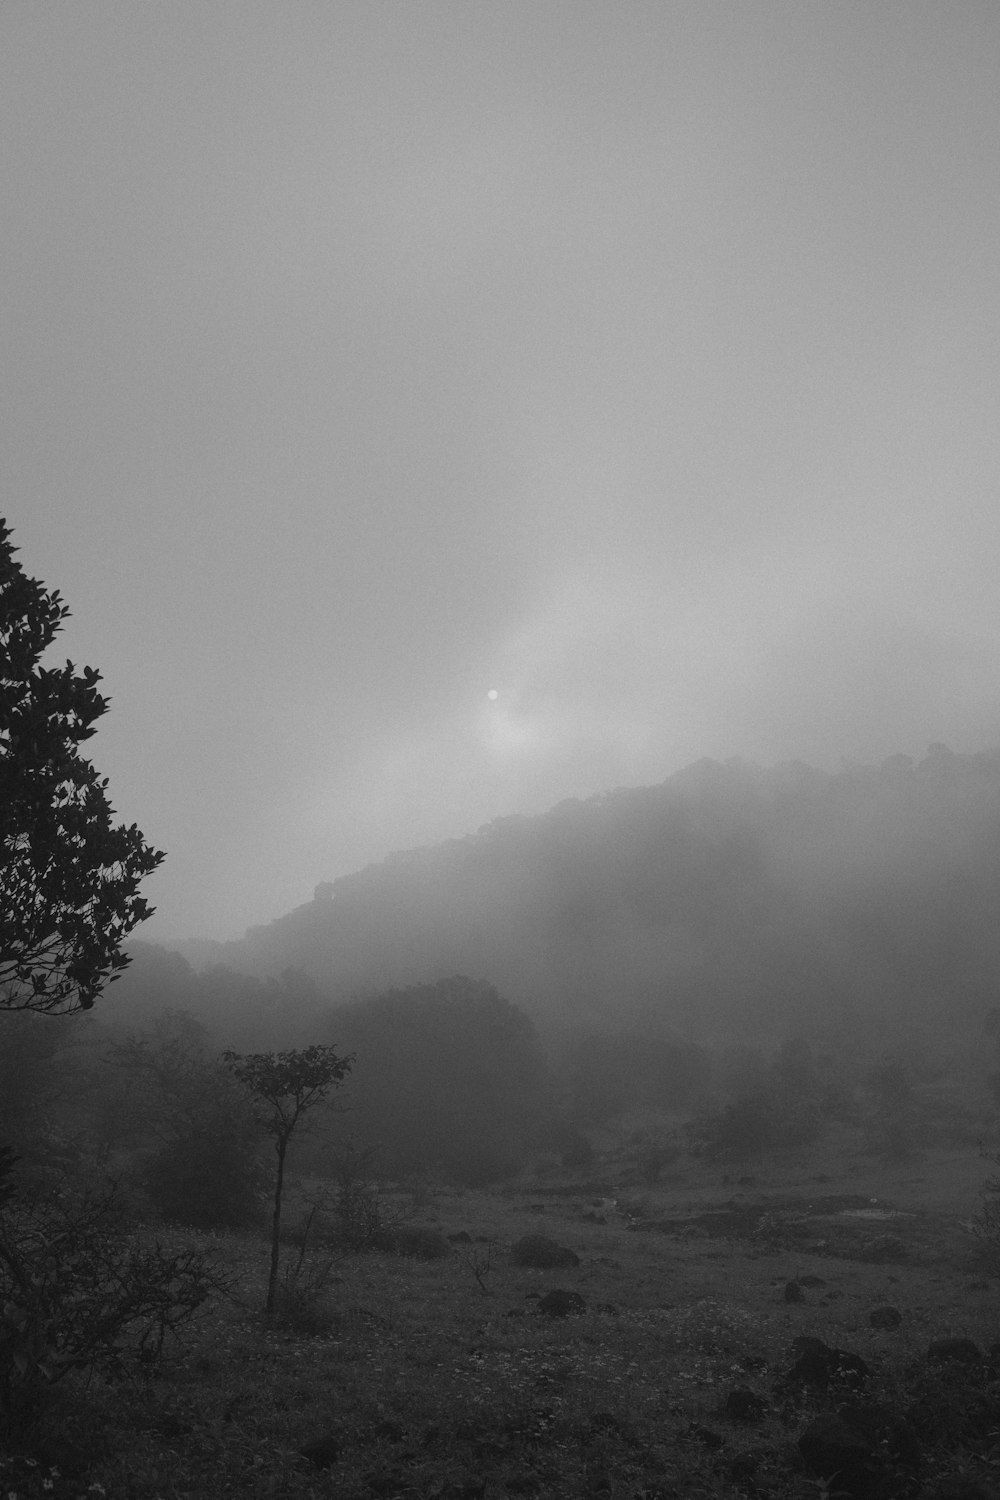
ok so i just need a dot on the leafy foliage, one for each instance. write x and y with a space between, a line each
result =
69 877
80 1290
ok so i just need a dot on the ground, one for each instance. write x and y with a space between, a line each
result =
440 1378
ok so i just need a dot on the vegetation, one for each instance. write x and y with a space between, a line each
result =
448 1077
289 1085
69 877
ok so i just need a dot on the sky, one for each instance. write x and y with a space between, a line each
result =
635 362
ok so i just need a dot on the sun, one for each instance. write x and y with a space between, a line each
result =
493 695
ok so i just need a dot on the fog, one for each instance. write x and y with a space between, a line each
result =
638 364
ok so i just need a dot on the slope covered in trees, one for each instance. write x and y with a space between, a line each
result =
727 899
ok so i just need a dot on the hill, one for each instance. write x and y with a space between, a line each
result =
728 900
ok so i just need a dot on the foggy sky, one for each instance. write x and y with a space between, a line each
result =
637 361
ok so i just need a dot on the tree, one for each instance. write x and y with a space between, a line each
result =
450 1076
198 1137
289 1084
69 878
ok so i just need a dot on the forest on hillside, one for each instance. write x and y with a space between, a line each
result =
729 901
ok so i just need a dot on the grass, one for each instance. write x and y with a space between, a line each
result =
439 1380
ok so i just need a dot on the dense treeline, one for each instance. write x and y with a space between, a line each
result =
729 898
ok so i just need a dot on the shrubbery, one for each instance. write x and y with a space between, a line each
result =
81 1289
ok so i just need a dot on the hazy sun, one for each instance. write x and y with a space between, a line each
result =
493 695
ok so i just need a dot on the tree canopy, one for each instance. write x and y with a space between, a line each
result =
69 876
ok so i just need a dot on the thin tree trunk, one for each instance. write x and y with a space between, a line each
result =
280 1146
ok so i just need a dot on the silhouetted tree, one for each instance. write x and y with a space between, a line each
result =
69 878
449 1075
198 1136
288 1084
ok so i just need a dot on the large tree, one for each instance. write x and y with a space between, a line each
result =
69 877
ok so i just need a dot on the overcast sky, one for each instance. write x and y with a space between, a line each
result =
634 359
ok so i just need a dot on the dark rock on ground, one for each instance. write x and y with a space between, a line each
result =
744 1405
835 1450
559 1303
704 1435
793 1292
463 1489
818 1364
958 1487
885 1430
963 1350
463 1237
421 1242
883 1248
322 1451
885 1317
543 1253
752 1362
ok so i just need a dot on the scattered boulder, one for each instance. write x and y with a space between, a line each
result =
744 1405
713 1441
542 1253
818 1364
883 1248
559 1303
322 1451
416 1240
793 1292
829 1448
463 1237
752 1362
958 1487
962 1350
885 1317
885 1431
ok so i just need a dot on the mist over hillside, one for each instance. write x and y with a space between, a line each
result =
728 899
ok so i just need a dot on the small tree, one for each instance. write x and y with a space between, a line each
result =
289 1085
69 879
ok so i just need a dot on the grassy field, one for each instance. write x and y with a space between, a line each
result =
441 1378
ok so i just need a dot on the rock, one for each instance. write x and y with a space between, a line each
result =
542 1253
831 1449
963 1350
818 1364
463 1237
744 1405
958 1487
559 1303
463 1489
885 1317
419 1241
885 1430
884 1247
793 1292
704 1435
322 1451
